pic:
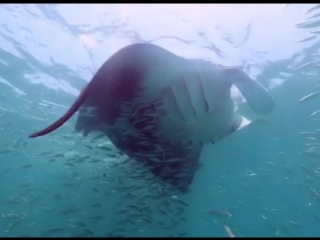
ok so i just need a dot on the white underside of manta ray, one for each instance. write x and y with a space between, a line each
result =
161 109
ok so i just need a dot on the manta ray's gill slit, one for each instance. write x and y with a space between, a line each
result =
171 104
204 100
185 89
182 99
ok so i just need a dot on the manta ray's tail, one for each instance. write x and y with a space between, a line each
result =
76 105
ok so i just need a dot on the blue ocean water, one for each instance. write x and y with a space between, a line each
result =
259 181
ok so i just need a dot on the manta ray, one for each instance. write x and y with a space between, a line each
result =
161 109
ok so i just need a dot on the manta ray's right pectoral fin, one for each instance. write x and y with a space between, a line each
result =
241 122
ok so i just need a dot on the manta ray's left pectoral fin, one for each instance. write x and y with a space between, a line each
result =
258 98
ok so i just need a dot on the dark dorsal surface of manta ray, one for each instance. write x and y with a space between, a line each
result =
161 109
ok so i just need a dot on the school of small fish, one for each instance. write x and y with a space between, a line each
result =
90 189
85 187
126 205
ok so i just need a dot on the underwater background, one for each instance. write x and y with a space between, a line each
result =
260 181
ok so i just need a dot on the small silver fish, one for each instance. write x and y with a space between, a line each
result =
52 231
293 223
229 232
4 113
309 97
314 113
